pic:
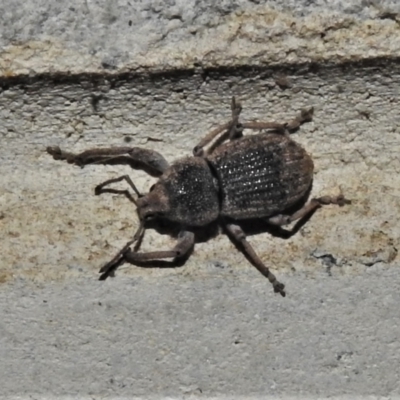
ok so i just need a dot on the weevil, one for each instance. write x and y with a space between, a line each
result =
230 178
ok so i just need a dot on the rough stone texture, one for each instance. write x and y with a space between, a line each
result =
93 36
212 327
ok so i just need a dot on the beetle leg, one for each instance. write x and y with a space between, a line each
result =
258 125
304 116
308 208
181 249
113 155
198 149
238 234
232 129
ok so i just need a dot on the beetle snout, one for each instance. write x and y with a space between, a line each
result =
151 205
143 209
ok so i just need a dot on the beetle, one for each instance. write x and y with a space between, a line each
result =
230 178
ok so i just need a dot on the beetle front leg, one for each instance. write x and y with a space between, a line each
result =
185 243
308 208
238 234
113 155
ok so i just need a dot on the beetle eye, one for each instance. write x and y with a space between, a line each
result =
148 217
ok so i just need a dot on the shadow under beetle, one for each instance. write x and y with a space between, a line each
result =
236 178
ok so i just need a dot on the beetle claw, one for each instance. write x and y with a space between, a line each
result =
279 288
109 268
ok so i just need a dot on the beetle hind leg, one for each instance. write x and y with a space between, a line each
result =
308 208
230 130
234 129
238 234
304 116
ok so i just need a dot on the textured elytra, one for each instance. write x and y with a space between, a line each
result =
261 175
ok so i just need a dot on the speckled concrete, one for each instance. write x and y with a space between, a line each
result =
212 327
97 36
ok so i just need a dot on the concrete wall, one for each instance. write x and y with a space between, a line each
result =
160 74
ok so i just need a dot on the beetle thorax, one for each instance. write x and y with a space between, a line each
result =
187 192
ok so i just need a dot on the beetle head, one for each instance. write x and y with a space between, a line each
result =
153 204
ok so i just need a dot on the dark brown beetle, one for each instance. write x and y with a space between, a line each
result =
237 178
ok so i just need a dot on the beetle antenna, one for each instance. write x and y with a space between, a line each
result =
100 188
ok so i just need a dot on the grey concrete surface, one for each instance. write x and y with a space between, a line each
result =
220 334
80 75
